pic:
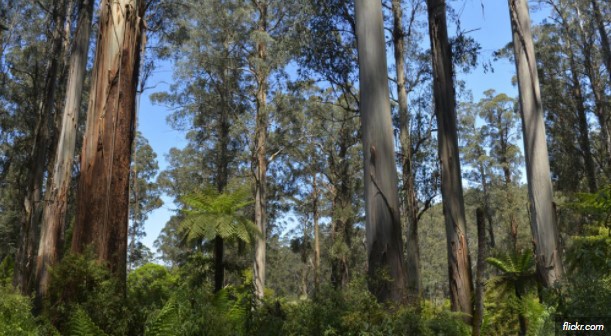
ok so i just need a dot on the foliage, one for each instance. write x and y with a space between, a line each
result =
356 312
81 282
588 285
80 324
148 288
166 321
597 205
209 213
511 296
144 197
15 314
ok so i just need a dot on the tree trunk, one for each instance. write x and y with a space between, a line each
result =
33 202
478 312
222 174
342 209
262 124
219 264
580 108
409 194
56 204
487 208
459 264
386 273
316 234
543 224
582 124
604 38
103 191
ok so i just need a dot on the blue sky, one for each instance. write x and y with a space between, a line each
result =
489 26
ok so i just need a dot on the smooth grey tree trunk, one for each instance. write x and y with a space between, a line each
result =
459 264
409 193
56 202
260 155
384 244
543 221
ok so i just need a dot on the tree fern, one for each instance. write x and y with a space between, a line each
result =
166 322
80 324
209 214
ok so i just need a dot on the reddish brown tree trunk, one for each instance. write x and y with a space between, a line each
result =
459 264
103 198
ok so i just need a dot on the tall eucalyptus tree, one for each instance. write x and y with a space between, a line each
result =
386 273
103 191
543 220
459 264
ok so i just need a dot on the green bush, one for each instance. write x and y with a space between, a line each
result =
80 281
148 289
15 313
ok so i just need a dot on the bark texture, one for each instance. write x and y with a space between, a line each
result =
409 193
604 38
33 202
543 222
315 214
383 224
343 217
478 311
260 154
459 265
56 202
103 197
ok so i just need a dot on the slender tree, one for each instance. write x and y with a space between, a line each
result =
409 192
103 197
543 220
604 37
384 243
26 254
56 201
261 71
478 311
459 265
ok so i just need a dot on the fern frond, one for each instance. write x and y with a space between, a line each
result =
166 322
80 324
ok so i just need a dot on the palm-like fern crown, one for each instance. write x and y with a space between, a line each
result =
513 264
209 213
517 270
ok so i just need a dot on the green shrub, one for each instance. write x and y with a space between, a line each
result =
148 288
79 280
15 314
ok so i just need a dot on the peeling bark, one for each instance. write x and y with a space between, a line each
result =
459 264
57 195
102 197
